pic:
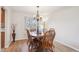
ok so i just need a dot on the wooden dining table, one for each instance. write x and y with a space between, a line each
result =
37 40
34 34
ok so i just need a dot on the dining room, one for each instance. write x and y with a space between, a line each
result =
41 29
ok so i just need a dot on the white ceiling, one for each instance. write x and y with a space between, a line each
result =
32 9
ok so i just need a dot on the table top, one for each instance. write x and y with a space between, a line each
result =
35 34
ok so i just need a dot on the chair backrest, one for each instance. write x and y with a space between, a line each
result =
48 39
28 34
52 33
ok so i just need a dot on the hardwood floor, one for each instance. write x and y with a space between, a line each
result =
18 46
21 46
62 48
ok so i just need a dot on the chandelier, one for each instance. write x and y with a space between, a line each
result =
38 17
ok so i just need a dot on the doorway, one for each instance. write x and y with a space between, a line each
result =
2 28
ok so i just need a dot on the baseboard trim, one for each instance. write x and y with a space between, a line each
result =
68 45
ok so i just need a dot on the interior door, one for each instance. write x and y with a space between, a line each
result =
2 39
3 28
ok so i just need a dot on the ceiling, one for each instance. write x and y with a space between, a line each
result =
32 9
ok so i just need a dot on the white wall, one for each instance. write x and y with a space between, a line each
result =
66 23
8 17
19 19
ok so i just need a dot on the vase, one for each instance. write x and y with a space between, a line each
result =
13 36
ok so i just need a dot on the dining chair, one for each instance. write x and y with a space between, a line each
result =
47 41
33 42
30 40
52 35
